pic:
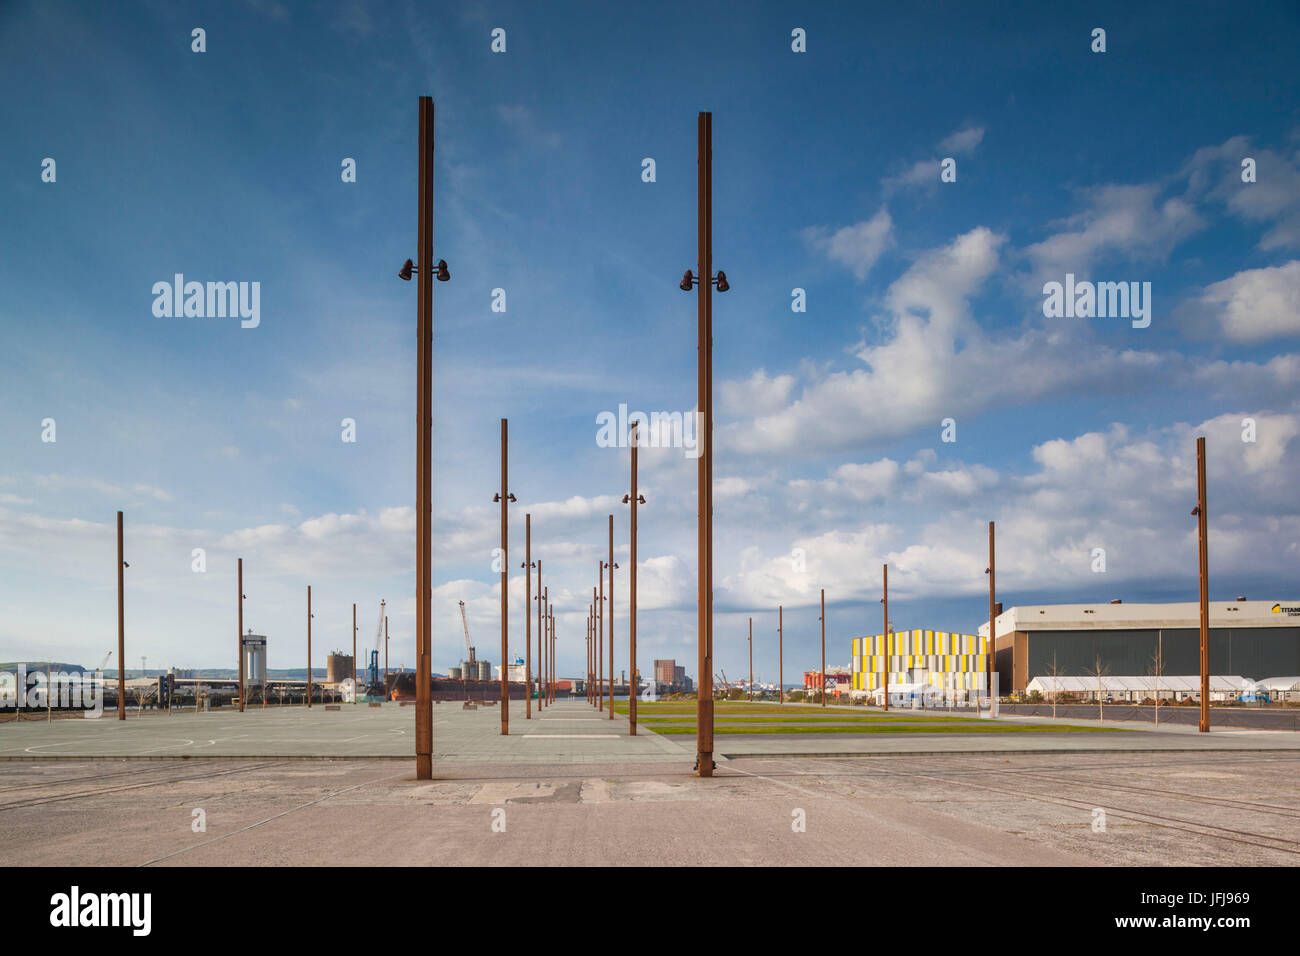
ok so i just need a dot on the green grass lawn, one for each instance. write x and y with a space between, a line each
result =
858 728
742 717
740 708
808 719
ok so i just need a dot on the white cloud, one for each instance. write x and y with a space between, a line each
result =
934 361
963 140
858 246
925 172
757 394
1214 173
1125 221
1125 491
1252 306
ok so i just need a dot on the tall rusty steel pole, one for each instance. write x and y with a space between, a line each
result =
704 472
1202 541
309 645
611 567
354 654
633 499
993 613
600 636
553 640
588 680
780 653
528 623
239 642
387 694
423 460
121 626
505 497
539 620
751 660
885 633
823 620
546 609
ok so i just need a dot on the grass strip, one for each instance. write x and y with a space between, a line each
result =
689 729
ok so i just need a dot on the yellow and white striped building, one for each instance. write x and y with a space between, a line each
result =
940 658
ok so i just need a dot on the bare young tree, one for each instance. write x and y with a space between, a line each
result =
1099 671
1156 668
1055 674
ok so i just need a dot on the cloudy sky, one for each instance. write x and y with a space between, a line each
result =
924 302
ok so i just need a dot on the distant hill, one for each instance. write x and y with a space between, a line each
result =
39 666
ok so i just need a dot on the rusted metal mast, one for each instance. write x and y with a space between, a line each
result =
1202 541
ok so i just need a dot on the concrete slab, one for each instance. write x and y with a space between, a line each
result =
950 810
569 732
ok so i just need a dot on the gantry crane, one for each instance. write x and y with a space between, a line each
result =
469 660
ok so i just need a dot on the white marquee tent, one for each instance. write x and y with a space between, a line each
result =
1131 687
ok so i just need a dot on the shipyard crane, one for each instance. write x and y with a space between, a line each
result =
469 660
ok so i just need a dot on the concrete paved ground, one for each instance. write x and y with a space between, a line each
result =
954 810
570 732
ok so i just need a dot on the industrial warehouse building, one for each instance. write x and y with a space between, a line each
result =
939 659
1257 640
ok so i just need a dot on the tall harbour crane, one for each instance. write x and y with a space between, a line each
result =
469 659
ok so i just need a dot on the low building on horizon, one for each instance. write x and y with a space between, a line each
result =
1257 640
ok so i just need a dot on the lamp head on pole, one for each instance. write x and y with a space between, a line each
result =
690 280
409 268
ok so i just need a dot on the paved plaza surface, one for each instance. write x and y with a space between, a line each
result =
570 787
569 732
953 810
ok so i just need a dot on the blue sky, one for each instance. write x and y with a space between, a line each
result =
924 302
